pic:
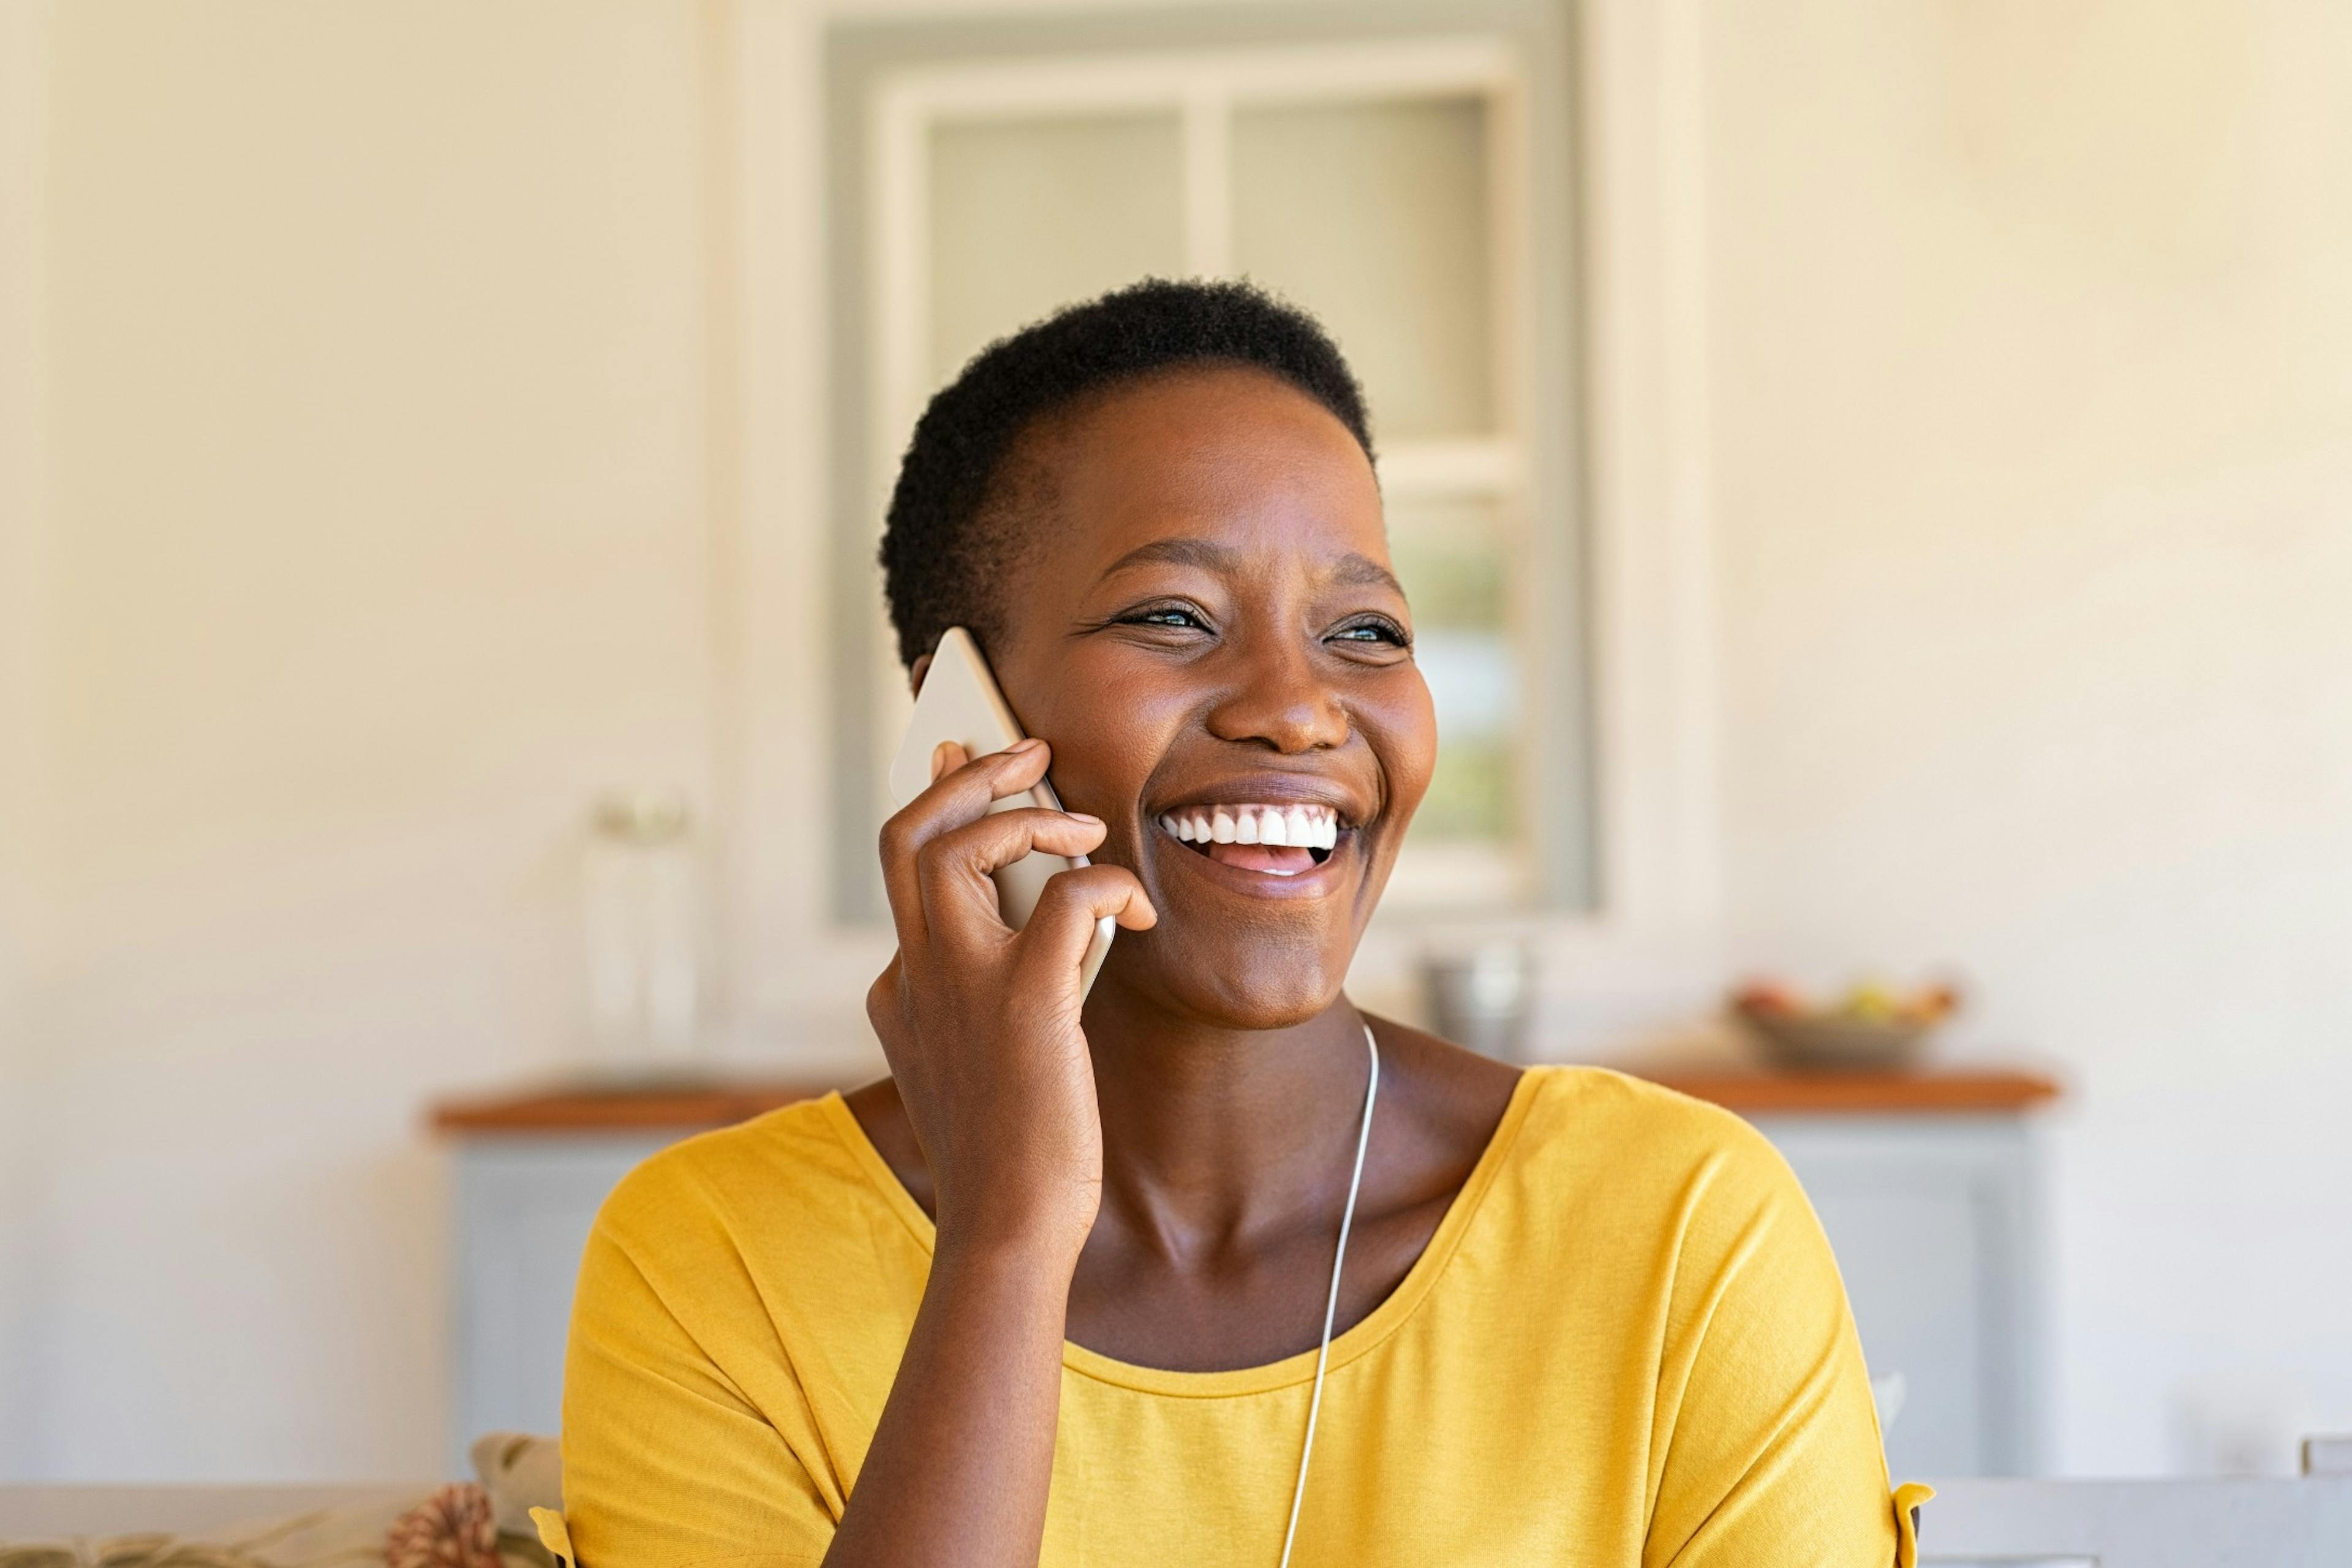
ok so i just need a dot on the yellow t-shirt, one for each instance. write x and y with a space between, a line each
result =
1626 1344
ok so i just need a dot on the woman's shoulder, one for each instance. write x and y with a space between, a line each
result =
1558 1137
1604 1102
790 1170
1592 1133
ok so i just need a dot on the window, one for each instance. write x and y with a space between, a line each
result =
1387 182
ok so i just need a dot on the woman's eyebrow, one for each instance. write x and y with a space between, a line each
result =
1207 554
1355 569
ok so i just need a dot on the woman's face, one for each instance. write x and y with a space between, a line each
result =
1206 628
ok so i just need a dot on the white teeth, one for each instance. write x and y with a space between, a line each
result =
1294 827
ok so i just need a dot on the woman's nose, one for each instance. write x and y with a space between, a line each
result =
1278 699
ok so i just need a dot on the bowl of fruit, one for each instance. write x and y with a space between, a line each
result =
1871 1027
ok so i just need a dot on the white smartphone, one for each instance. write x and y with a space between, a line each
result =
960 702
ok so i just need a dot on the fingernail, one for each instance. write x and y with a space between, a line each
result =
939 759
1082 816
1028 745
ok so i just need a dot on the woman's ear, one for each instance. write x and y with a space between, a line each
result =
916 671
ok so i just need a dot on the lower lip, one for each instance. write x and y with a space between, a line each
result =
1313 883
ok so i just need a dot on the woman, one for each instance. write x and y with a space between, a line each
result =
1054 1293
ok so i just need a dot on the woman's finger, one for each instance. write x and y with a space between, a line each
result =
1056 939
882 1000
955 867
954 798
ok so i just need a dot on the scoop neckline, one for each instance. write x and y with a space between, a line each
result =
1376 1326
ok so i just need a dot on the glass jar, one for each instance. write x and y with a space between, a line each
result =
641 897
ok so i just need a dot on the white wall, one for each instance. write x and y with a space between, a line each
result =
23 33
376 544
386 363
2033 419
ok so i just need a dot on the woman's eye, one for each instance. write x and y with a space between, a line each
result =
1379 633
1177 616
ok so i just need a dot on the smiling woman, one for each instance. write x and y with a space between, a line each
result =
1054 1293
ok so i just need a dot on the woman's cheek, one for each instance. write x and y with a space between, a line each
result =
1403 735
1104 756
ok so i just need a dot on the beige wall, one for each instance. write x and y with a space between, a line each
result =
24 32
376 544
2033 444
381 530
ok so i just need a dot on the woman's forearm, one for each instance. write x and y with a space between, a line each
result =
959 1465
980 1024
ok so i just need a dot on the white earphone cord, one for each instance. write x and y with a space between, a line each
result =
1331 1303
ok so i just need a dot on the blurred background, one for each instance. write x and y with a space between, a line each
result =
1875 480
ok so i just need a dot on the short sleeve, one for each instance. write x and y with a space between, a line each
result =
666 1462
1767 1450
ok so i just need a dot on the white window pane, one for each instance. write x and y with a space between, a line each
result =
1374 215
1030 215
1451 555
1474 678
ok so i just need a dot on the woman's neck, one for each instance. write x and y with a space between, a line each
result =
1212 1136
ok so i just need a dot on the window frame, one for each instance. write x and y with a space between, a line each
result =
793 974
1204 89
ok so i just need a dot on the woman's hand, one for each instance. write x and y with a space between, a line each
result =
981 1021
981 1025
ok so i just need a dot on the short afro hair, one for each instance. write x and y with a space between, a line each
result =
945 545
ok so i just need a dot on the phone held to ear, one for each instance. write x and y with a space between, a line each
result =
960 702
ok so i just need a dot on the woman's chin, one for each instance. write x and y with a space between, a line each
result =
1245 981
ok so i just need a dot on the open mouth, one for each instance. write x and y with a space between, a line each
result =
1279 840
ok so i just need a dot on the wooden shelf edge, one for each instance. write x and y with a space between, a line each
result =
1955 1092
618 1109
683 1108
